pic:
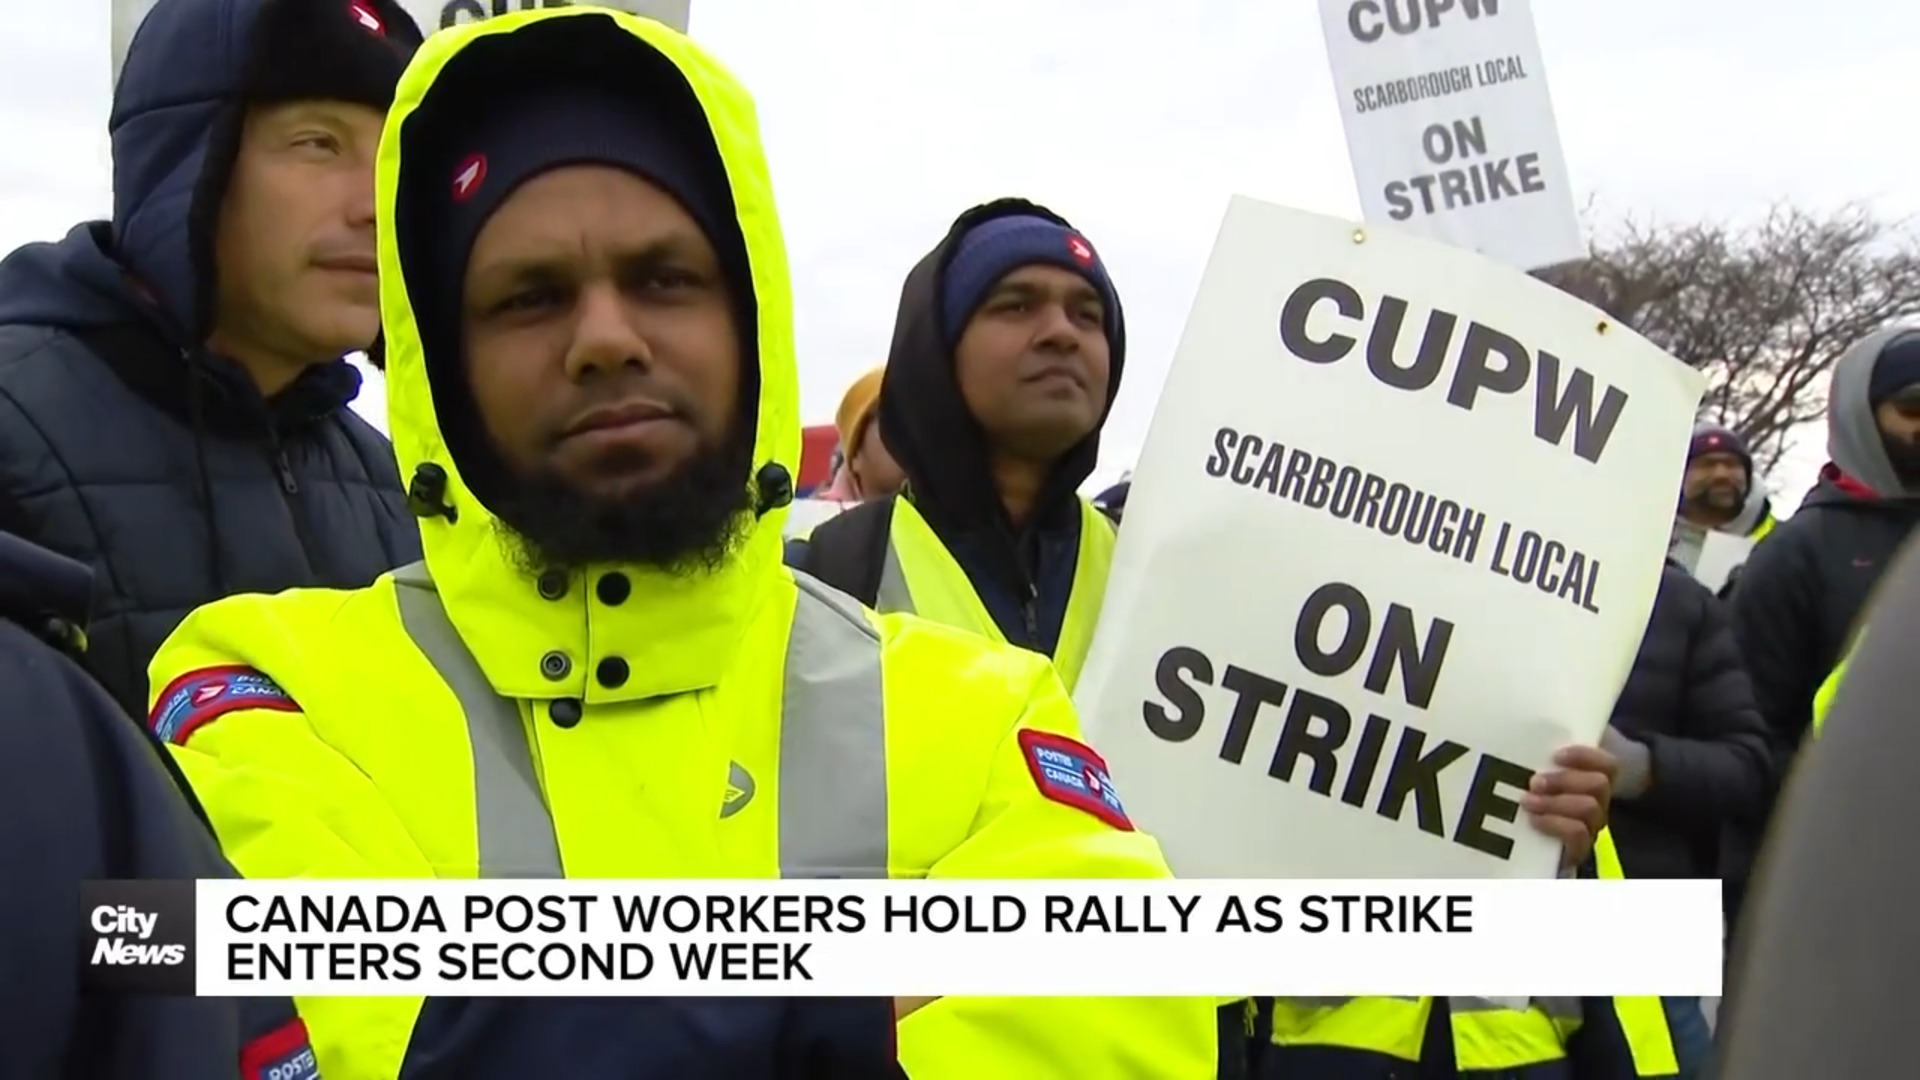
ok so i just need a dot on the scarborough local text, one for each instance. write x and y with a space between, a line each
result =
611 938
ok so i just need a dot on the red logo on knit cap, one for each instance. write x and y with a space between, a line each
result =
467 178
364 15
1082 251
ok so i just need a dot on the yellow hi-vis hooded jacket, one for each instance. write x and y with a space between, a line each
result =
455 719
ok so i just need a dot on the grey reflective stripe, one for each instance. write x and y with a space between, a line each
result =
833 741
515 830
894 596
1557 1008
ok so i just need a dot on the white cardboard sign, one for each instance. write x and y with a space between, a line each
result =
1392 542
1450 126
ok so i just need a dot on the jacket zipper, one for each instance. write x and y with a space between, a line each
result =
289 493
1030 615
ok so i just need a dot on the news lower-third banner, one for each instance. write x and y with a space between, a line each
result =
1495 939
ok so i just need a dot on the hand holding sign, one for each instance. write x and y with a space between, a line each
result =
1570 803
1405 513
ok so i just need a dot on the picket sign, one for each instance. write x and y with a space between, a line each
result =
1392 542
1450 127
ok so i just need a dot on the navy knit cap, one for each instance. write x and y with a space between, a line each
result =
1897 368
581 126
1714 439
999 246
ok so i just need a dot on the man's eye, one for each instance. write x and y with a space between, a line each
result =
317 141
527 300
672 279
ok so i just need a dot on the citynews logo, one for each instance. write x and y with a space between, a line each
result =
138 936
123 920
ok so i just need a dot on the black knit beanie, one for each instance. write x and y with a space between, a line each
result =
328 50
579 126
296 50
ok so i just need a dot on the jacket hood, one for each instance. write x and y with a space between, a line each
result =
1834 487
939 445
72 284
1853 437
676 633
1758 505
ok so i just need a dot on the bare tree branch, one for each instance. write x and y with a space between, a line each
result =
1763 309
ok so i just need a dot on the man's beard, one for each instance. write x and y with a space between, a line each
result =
1904 456
690 522
1719 498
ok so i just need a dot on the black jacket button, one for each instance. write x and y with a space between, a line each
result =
553 585
612 672
565 712
614 589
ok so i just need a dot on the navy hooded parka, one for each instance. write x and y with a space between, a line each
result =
124 444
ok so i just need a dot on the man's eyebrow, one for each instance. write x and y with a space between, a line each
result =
547 261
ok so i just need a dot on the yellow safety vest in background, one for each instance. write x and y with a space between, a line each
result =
1823 698
921 577
1487 1036
1642 1019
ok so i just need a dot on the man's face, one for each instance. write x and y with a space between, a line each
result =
1033 362
874 469
1899 415
294 243
1716 482
605 363
1899 420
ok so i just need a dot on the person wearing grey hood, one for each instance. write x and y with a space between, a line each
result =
1802 592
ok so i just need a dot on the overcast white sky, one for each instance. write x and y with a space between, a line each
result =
885 118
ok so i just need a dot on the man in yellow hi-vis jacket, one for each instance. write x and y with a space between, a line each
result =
602 669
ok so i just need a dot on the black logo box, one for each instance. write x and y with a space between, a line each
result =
115 959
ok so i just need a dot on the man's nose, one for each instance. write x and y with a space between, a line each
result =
360 201
1057 329
604 334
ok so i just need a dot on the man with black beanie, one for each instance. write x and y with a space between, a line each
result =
1801 593
173 389
601 669
1007 355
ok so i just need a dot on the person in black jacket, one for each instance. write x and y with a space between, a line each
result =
173 394
1823 971
1006 359
1693 759
1803 588
85 795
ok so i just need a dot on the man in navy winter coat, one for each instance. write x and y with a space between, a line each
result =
86 795
173 393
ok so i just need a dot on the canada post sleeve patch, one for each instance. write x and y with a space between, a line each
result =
204 695
1070 772
285 1053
